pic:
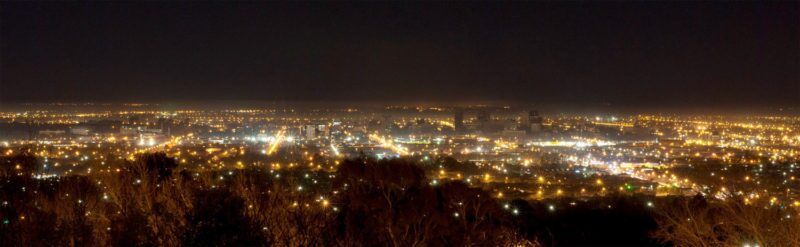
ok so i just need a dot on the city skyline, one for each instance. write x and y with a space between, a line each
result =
446 123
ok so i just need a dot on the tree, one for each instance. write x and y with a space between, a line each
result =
701 222
22 164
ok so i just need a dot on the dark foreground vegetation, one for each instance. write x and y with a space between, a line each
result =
156 202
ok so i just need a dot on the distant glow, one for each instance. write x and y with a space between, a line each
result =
388 144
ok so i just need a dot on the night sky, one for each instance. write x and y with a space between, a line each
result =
672 54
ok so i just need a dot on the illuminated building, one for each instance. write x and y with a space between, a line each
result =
535 122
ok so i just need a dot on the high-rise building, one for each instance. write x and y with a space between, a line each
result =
323 131
483 120
311 132
483 116
535 121
458 121
387 123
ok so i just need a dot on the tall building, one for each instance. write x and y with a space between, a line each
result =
387 123
311 132
483 116
458 121
483 120
535 121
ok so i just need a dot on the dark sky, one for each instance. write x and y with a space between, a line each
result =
655 53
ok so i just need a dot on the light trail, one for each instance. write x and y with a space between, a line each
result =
335 150
278 139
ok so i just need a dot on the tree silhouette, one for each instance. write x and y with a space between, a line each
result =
701 222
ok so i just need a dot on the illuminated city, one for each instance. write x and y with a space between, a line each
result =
510 148
291 169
